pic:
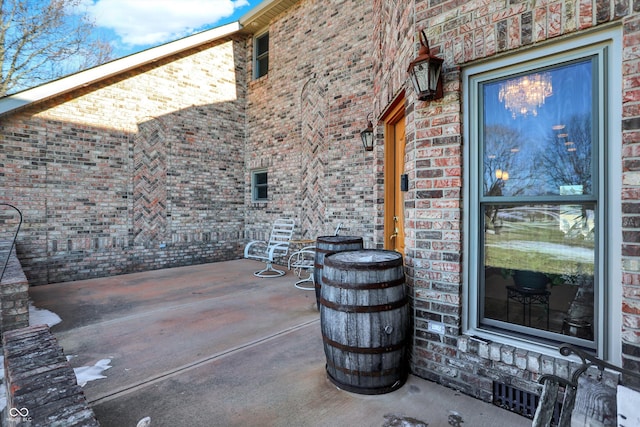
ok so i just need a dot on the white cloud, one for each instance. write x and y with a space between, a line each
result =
153 22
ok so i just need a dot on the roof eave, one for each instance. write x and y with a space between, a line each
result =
85 78
259 18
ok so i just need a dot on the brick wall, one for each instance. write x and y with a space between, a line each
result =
462 32
138 172
304 121
14 294
631 183
40 383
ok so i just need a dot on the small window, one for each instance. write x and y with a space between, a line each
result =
261 55
259 186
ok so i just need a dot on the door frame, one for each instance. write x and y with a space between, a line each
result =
392 115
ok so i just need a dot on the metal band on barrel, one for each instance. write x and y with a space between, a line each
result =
364 350
363 286
347 308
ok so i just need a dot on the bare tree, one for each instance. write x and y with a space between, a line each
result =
41 40
567 155
502 149
501 164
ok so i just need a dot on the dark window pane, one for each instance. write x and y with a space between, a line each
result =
261 178
262 45
261 193
262 66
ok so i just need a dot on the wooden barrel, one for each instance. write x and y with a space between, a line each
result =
325 246
364 317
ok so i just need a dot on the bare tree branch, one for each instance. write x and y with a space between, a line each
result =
41 40
567 158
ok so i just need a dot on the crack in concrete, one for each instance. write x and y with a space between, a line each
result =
180 369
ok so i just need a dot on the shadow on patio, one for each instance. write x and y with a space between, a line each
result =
212 345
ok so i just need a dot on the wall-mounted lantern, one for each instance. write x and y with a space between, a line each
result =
367 135
426 72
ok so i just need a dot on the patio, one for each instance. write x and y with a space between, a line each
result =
213 345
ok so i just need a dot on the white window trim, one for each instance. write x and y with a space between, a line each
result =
609 342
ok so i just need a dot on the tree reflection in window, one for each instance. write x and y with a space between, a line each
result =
545 153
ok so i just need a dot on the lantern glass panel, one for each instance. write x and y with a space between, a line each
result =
421 78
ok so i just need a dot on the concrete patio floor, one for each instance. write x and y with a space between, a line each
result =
212 345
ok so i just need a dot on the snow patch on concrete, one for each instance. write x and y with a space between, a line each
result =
84 374
40 316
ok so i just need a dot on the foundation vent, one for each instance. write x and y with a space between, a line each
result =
516 400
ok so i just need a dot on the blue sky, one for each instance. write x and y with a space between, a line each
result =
135 25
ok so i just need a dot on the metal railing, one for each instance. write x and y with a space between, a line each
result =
13 241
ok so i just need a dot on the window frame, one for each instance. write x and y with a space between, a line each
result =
606 45
255 186
259 56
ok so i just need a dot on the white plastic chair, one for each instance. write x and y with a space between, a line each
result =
277 246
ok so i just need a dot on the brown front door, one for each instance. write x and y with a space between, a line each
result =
394 168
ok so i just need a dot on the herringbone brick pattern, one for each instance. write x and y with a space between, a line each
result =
313 183
149 186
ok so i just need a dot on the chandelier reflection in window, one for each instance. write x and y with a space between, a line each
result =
525 95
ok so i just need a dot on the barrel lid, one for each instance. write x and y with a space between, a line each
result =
339 239
364 259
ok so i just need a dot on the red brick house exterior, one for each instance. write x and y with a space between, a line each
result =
149 165
138 170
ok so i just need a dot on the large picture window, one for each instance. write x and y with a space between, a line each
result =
537 204
536 199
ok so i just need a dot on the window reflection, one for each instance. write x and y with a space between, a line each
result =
543 149
539 266
524 95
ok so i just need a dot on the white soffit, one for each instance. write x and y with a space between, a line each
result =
261 16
